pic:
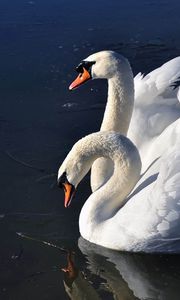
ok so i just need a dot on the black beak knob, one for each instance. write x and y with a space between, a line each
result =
61 180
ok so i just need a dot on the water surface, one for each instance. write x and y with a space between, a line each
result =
41 43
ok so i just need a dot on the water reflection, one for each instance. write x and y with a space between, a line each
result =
134 276
78 286
95 272
75 282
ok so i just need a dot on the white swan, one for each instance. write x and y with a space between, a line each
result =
97 221
149 220
156 105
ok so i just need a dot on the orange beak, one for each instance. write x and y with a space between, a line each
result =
69 191
82 78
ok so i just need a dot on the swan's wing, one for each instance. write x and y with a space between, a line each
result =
152 212
159 85
165 194
158 146
164 203
157 104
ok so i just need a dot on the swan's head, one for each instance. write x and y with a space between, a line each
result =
73 169
103 65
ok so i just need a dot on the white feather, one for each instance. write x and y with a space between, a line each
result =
147 219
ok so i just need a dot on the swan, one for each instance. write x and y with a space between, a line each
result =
96 221
146 219
125 211
156 105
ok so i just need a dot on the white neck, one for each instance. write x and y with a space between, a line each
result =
120 100
117 117
107 200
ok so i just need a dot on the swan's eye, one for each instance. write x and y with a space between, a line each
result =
62 180
85 64
79 68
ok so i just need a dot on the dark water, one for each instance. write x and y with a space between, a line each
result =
41 43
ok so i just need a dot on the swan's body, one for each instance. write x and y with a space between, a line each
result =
147 219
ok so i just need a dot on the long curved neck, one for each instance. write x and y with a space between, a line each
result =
107 200
120 101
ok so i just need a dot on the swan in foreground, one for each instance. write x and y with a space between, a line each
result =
125 211
148 220
156 105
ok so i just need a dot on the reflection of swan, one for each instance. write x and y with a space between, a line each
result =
149 220
75 283
156 105
134 275
78 285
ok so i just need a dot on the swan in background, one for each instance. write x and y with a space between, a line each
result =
116 69
146 220
156 105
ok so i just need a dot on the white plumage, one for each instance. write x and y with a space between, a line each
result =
148 218
156 106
